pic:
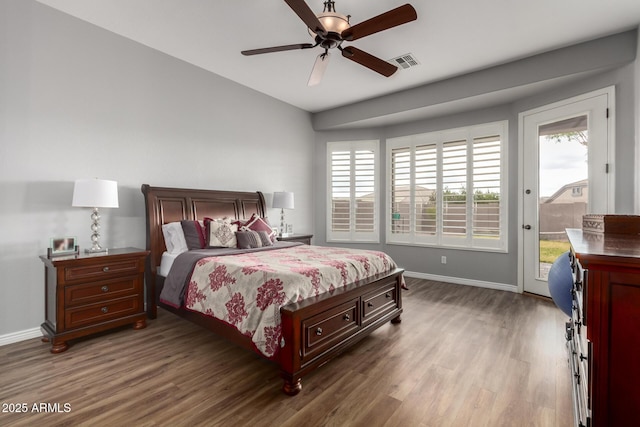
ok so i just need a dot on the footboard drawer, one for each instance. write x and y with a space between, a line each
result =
328 328
378 303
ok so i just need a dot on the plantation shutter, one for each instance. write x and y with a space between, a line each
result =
486 187
353 191
401 191
448 188
425 186
454 183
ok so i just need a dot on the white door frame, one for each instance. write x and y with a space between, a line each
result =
610 92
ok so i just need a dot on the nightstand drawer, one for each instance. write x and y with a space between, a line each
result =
105 270
95 313
101 291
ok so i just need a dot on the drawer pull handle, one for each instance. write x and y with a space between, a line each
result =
369 304
346 317
105 269
319 331
105 288
387 295
104 310
583 357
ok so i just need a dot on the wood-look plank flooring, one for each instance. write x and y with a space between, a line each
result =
462 356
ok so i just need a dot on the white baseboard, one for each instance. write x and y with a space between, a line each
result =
14 337
462 281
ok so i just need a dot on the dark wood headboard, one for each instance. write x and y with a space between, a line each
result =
164 205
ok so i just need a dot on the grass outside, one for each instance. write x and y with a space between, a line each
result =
552 249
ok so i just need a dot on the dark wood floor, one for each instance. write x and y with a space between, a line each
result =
462 356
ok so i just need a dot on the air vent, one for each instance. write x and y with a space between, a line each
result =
405 61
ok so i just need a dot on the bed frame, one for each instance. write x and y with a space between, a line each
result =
313 330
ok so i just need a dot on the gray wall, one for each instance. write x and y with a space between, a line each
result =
611 61
77 101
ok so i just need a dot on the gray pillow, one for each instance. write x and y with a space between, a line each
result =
193 234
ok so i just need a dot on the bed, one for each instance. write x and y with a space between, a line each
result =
312 329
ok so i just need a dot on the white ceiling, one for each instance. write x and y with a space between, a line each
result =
449 38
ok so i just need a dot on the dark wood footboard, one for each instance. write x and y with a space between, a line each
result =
316 330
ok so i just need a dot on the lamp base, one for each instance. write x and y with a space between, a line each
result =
95 237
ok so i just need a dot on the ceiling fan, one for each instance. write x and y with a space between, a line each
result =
330 29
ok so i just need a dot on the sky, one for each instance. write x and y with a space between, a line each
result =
560 164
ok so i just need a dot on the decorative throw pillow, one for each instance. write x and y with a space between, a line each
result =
193 234
253 239
248 239
174 238
266 238
222 234
256 223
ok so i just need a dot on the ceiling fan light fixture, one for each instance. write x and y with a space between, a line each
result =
334 22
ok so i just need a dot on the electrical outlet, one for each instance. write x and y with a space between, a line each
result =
443 259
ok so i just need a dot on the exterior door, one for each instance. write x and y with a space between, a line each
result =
566 173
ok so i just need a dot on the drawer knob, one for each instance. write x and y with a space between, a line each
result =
104 310
105 269
369 304
387 295
319 331
346 317
105 288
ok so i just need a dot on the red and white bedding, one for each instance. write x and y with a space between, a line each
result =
247 290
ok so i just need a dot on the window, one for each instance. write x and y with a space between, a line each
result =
449 188
353 203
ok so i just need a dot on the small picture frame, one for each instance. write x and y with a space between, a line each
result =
62 246
289 229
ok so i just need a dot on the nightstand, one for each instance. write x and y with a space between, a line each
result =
304 238
89 293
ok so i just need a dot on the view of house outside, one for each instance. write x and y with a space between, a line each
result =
563 189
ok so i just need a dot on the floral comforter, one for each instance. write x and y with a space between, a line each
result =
247 290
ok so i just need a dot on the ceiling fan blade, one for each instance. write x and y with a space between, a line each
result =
306 14
372 62
393 18
318 69
277 49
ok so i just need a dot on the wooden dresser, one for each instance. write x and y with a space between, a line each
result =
604 331
89 293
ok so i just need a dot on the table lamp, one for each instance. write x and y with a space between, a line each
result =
283 200
95 193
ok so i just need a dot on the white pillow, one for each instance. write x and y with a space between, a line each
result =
174 238
222 234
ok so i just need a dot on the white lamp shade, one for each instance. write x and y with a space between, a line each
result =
95 193
283 200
